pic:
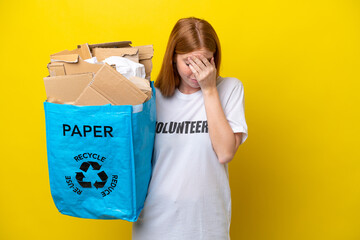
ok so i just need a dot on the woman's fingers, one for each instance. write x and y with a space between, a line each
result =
193 70
205 61
197 60
201 67
194 64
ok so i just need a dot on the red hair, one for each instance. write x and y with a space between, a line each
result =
188 34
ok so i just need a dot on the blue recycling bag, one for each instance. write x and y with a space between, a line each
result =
99 158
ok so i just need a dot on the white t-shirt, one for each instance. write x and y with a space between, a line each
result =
189 192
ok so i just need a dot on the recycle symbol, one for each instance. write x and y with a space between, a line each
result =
95 166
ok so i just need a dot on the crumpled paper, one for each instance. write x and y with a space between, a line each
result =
126 67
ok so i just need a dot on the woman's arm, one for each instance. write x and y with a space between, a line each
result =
224 141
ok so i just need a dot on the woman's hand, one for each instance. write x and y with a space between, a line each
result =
204 71
223 139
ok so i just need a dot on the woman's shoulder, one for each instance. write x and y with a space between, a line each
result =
158 92
228 83
159 96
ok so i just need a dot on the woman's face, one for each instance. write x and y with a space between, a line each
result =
188 82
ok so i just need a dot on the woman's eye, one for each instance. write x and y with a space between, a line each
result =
187 64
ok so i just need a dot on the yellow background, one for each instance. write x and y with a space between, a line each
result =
296 177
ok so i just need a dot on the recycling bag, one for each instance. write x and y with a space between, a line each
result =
99 158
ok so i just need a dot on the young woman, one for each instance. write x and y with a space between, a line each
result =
200 125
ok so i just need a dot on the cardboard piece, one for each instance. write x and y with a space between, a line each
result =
66 68
83 51
146 53
56 69
109 86
143 84
67 88
109 45
128 52
70 58
90 97
58 101
64 52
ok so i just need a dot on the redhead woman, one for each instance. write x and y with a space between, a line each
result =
200 125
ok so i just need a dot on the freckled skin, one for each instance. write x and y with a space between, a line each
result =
188 82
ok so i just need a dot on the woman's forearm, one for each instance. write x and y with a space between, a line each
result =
222 136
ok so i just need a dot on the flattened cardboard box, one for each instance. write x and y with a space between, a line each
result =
67 68
110 87
67 88
146 53
83 51
143 85
129 52
109 45
72 62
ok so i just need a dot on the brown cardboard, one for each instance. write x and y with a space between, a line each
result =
141 54
74 81
65 68
58 101
83 51
70 58
110 45
72 62
143 84
146 53
64 52
66 88
126 52
113 88
90 97
56 69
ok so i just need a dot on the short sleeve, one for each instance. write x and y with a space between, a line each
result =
234 108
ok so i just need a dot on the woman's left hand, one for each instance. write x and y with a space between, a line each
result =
204 71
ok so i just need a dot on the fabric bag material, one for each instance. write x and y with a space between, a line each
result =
99 158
